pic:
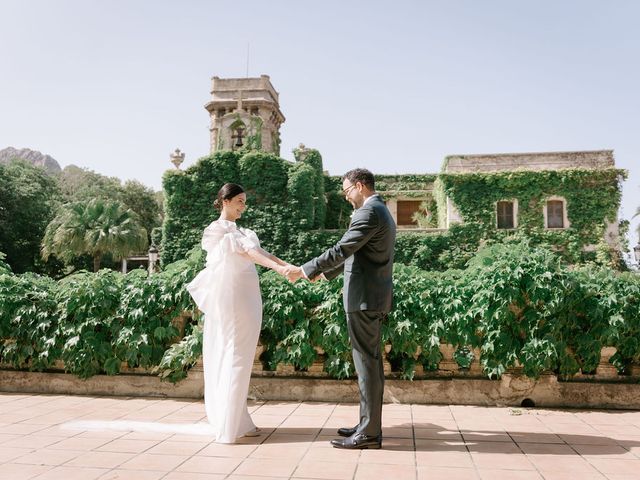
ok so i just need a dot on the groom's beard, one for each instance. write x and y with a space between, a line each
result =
356 204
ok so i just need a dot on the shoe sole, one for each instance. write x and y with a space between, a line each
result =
364 447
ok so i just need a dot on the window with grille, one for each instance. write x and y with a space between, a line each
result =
555 214
505 214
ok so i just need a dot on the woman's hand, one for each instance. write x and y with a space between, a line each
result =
292 272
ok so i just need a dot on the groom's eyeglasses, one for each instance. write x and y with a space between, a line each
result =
347 190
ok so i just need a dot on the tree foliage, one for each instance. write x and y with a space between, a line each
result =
79 184
28 201
95 228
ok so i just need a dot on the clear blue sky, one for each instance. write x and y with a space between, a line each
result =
393 86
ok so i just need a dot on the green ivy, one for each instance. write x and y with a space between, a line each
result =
407 182
519 305
592 196
284 199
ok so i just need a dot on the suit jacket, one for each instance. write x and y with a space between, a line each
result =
365 253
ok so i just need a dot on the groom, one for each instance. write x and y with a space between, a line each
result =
365 253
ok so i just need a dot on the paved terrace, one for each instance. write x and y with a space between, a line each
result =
37 440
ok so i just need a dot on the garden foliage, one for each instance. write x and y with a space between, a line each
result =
94 322
518 305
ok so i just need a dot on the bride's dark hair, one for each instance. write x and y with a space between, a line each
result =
227 192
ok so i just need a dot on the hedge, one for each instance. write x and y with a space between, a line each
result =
517 304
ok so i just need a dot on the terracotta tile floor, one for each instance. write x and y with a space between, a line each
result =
41 438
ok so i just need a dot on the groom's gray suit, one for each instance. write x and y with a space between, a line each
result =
365 253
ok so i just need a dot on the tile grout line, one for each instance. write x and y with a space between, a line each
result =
314 439
580 455
415 448
525 454
265 438
475 467
125 433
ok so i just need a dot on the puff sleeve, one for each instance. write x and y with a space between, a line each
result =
228 238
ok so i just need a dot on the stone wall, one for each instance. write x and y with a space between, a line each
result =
448 385
528 161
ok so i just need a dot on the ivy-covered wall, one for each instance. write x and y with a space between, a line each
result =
283 199
592 201
593 196
392 184
298 211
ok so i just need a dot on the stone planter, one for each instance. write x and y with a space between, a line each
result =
606 369
385 362
475 368
447 365
285 369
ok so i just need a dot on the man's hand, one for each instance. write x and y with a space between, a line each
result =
319 278
293 273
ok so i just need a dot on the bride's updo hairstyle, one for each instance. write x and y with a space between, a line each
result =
227 192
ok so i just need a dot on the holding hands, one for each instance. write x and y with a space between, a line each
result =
295 273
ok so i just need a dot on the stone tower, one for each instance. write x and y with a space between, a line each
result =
244 114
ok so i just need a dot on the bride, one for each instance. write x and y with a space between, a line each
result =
228 293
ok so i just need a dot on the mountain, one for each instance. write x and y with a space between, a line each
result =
32 156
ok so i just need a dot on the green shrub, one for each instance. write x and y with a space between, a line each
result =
181 356
4 266
518 305
28 321
88 322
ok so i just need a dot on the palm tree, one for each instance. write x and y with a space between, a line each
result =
95 227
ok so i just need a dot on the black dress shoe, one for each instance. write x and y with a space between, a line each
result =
347 432
358 441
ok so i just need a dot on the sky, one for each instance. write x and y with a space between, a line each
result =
391 86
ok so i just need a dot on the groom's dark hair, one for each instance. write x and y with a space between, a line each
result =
361 175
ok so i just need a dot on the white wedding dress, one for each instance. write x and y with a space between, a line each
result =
228 293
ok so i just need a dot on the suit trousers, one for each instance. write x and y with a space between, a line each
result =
364 332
